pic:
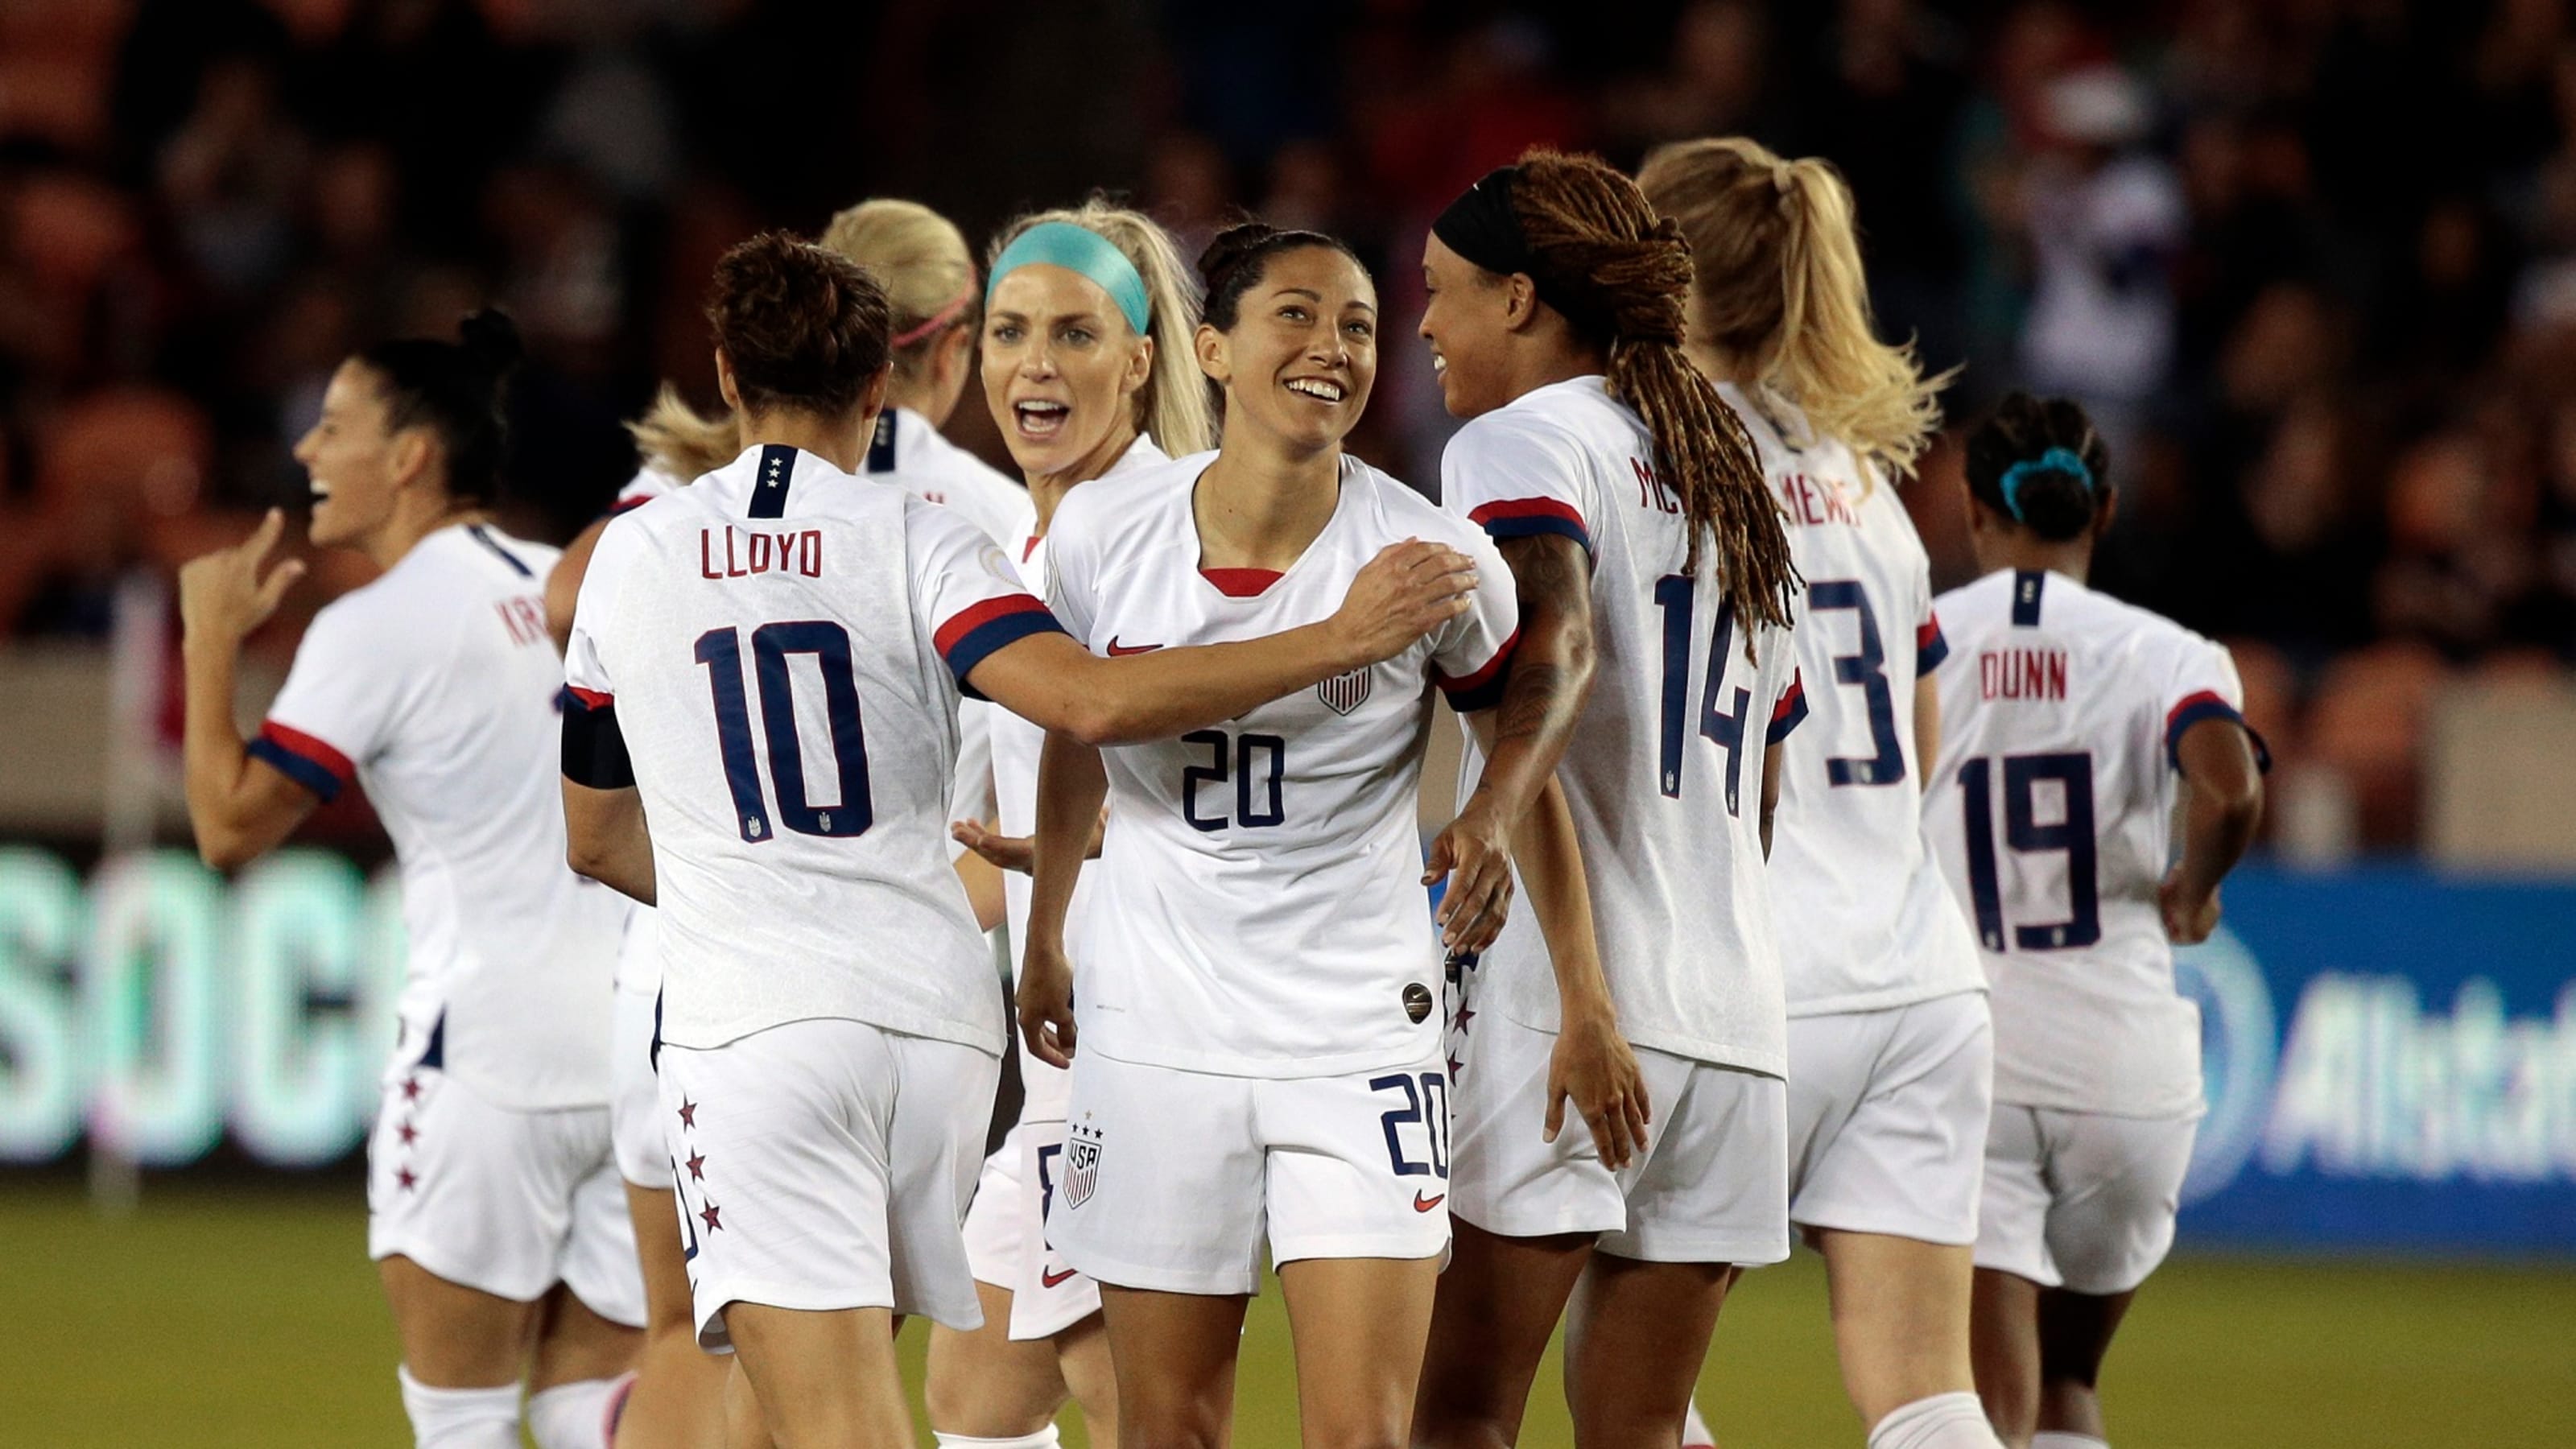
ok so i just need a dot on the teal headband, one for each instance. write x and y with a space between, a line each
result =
2055 460
1078 249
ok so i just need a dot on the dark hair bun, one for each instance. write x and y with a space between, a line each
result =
2056 503
491 341
1230 249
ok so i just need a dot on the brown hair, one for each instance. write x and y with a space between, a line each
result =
920 259
1590 228
1781 291
805 328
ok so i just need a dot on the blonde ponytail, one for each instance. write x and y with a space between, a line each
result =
1173 407
680 440
921 261
1780 291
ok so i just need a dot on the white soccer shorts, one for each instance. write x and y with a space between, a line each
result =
634 1100
1887 1118
504 1201
826 1164
2081 1200
1006 1242
1171 1179
1711 1187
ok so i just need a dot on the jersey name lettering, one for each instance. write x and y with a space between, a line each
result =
2022 673
747 552
1812 503
524 617
1651 492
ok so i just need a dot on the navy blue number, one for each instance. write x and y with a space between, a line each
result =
1236 759
688 1220
830 645
2023 833
1047 1154
1868 669
1428 1105
1674 594
721 651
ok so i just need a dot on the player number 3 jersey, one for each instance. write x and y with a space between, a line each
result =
2061 709
1257 909
777 650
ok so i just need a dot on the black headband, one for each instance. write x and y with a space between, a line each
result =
1482 227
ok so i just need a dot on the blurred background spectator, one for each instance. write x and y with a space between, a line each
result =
2313 262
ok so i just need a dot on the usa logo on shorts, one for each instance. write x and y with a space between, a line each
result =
1081 1165
1344 692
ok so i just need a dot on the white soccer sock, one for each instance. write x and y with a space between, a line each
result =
460 1418
572 1416
1943 1421
2060 1439
1695 1433
1043 1439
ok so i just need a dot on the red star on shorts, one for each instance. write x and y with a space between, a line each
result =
695 1158
1455 1067
688 1113
713 1225
1465 1016
408 1178
411 1089
408 1133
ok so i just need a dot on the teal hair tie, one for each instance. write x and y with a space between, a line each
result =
1078 249
2055 460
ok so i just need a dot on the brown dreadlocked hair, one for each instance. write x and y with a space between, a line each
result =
1602 246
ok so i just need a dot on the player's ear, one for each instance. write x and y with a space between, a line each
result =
725 385
1216 356
1520 301
1140 367
872 398
409 453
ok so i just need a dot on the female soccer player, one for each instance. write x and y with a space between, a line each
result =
920 260
1081 388
1258 987
493 1211
1891 1052
767 664
1648 555
2065 721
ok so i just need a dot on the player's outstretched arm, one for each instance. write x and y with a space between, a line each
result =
1407 591
1543 698
2219 821
605 838
241 807
1071 786
1591 1065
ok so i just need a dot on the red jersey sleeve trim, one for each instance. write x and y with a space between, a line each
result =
309 762
1507 518
1481 688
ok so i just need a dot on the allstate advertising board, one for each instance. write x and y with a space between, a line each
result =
2391 1063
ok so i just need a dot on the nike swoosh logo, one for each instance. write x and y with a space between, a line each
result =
1121 651
1051 1280
1424 1205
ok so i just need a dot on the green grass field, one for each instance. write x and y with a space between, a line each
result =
250 1318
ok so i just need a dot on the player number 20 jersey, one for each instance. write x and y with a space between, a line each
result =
1257 909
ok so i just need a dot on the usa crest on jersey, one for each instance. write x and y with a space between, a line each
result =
1344 692
1081 1164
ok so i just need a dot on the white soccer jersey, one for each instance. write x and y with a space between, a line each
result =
434 688
911 453
2050 810
1258 909
650 482
1664 775
778 646
1016 747
1867 919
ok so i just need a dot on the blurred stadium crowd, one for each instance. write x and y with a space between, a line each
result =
2315 259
